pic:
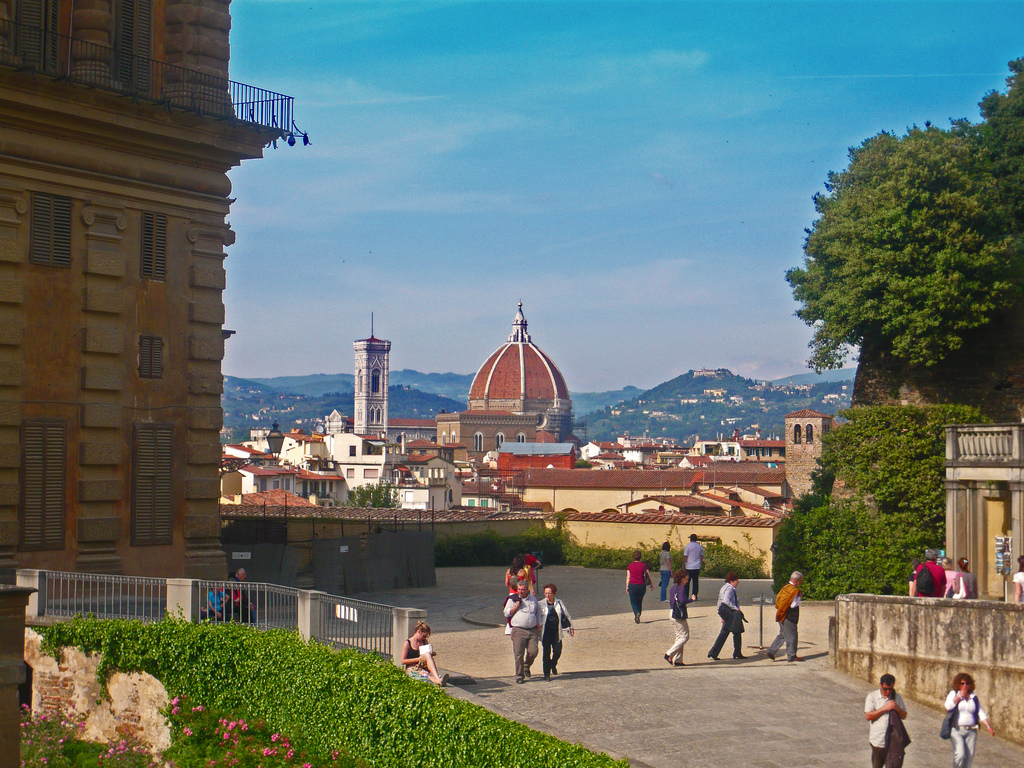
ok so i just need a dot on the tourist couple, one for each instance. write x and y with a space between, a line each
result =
532 620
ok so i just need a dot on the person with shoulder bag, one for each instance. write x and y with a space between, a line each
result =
677 597
638 579
732 619
965 715
554 617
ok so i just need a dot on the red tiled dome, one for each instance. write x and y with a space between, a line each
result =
518 370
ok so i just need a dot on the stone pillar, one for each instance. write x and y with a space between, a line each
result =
1016 530
102 453
197 39
403 620
12 670
183 598
92 25
309 614
14 239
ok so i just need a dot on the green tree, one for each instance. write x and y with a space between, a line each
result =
378 495
886 506
911 249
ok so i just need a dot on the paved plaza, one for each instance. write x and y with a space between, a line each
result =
615 693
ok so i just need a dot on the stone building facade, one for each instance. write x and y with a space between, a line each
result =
804 432
113 205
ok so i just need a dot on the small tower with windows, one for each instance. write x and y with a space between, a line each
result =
804 431
371 385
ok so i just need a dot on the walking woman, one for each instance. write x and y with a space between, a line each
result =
512 574
554 617
665 564
969 716
418 656
638 577
732 619
677 598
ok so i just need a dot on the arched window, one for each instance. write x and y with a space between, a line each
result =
520 438
375 381
444 438
796 435
498 440
809 432
478 442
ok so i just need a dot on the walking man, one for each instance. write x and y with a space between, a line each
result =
693 555
787 613
523 610
877 707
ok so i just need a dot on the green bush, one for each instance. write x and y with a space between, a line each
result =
559 548
719 559
327 700
490 548
891 506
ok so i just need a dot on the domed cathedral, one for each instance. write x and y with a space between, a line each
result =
518 394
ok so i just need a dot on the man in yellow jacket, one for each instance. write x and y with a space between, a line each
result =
787 613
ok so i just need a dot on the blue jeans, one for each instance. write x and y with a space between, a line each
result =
963 741
666 577
636 597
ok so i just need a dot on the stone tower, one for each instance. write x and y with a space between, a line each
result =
804 431
371 385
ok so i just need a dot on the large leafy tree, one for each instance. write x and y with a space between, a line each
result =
377 495
888 506
912 249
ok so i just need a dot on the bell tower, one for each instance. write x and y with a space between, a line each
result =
371 385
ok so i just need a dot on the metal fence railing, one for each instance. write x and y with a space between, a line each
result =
345 623
39 51
341 622
104 596
266 606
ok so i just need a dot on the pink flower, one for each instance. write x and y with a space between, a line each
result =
187 730
275 737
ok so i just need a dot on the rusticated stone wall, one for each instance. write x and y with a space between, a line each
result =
987 372
70 687
925 642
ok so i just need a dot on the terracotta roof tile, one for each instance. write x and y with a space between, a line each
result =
273 498
732 472
807 413
669 519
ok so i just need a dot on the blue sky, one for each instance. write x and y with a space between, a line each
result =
639 174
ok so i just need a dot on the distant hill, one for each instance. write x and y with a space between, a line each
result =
453 385
587 402
314 385
709 404
844 374
249 403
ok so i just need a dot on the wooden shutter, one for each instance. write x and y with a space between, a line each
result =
36 41
152 505
51 230
134 33
151 357
43 480
154 246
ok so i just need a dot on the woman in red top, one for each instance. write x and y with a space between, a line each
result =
637 580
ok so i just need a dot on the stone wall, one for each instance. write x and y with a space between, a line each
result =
925 642
70 686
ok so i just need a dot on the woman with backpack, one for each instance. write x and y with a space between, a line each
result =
966 721
677 599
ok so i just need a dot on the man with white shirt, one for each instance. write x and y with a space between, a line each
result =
523 610
877 707
787 613
693 559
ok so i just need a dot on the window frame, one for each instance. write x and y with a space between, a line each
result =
55 541
161 513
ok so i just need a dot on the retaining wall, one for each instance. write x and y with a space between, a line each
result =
925 642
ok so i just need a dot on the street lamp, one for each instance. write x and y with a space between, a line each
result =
275 439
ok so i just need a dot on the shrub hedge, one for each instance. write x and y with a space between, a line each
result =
559 548
334 699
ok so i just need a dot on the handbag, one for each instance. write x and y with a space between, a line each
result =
946 729
563 619
647 580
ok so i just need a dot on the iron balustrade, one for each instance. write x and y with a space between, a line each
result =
265 606
104 596
39 51
344 623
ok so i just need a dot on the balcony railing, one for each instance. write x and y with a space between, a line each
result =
985 443
36 51
340 622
